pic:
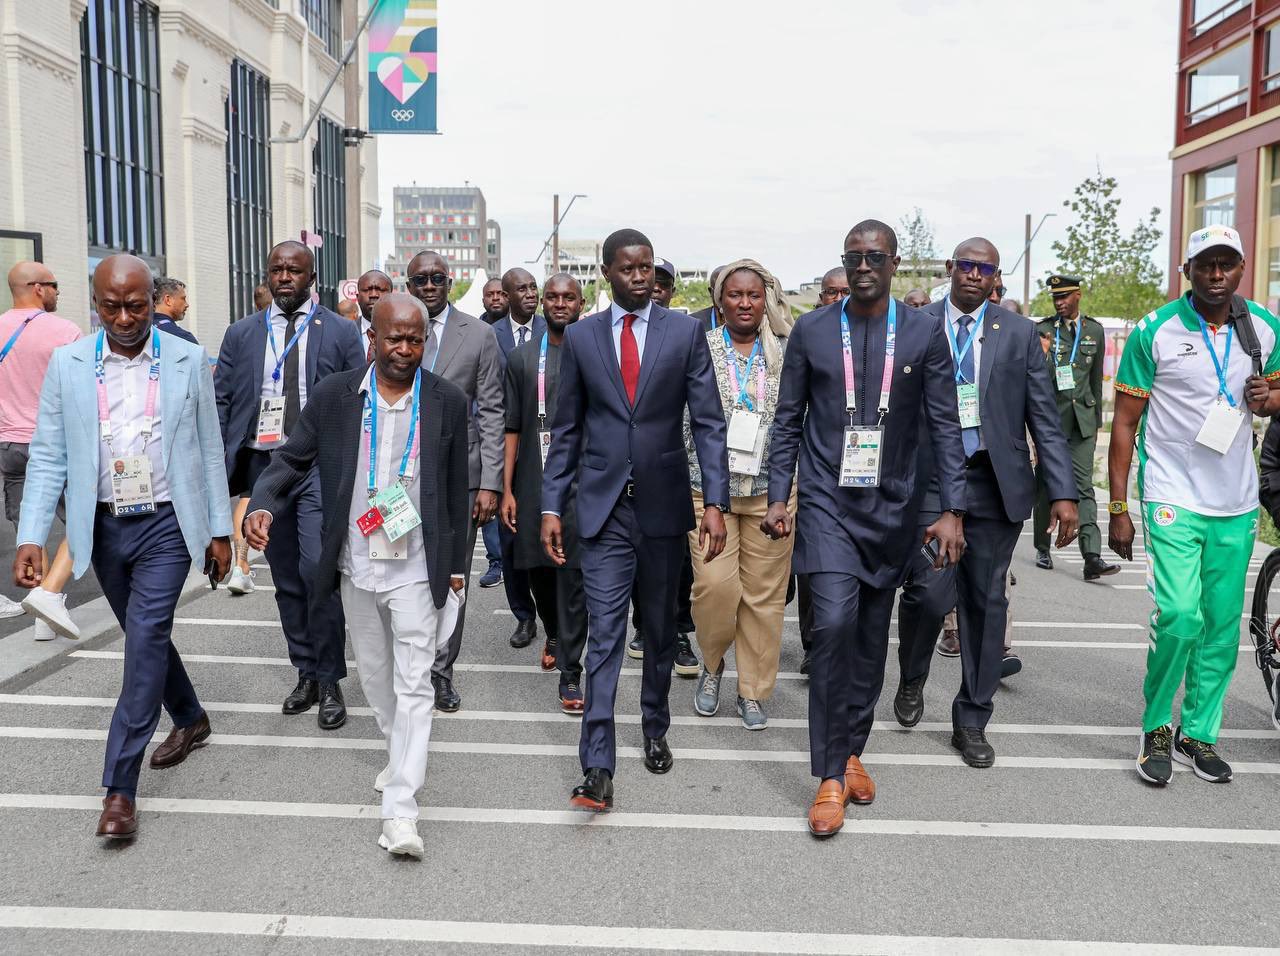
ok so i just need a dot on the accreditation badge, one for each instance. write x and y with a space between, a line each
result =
399 516
967 398
744 428
131 491
748 463
1220 427
860 460
544 444
270 421
1066 377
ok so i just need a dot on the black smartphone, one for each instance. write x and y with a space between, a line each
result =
931 549
211 569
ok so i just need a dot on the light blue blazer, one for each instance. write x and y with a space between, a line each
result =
64 449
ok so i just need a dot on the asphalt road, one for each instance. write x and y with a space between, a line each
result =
265 841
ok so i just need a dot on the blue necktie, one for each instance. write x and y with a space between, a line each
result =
969 435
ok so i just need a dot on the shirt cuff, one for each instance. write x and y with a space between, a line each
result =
555 514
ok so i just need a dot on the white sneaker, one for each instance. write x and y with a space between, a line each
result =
53 609
400 836
10 608
43 631
382 779
239 582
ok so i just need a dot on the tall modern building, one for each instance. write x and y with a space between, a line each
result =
1226 155
450 220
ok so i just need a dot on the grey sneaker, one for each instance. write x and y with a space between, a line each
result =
706 696
752 714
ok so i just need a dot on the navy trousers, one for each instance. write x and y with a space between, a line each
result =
850 640
142 563
619 557
515 581
928 596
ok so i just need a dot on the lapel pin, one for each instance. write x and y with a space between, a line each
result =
906 370
995 326
316 322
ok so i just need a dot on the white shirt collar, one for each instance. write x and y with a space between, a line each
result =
279 313
516 327
399 405
954 311
440 319
616 312
108 355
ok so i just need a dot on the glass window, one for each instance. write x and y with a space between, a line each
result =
1218 84
1271 65
1215 197
324 17
1272 229
1207 14
248 117
330 200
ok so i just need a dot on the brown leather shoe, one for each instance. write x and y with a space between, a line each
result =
826 816
949 643
862 789
180 742
119 818
548 661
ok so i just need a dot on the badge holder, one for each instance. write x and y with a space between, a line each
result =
1221 425
270 421
860 460
967 399
744 430
1066 377
131 490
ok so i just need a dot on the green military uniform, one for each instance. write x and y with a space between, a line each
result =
1080 408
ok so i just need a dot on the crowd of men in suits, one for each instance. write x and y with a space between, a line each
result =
367 455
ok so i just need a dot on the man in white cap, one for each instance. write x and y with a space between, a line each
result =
1191 374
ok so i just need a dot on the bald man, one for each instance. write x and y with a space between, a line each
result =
146 496
370 288
917 298
835 286
494 298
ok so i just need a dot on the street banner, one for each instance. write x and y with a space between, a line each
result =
402 67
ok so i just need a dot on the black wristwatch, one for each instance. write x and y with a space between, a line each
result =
723 509
958 512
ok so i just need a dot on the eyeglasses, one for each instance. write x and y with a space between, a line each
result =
875 260
985 269
422 280
51 284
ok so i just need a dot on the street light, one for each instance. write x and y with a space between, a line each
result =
553 240
1025 259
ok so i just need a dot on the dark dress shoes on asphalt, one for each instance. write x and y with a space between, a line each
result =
908 703
595 793
447 699
1095 567
973 747
1010 664
303 697
686 662
333 709
523 635
949 642
1044 561
119 820
180 742
657 755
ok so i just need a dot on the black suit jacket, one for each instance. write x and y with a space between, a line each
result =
1015 394
859 530
328 437
166 324
506 339
705 316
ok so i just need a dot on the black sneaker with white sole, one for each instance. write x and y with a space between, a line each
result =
1154 763
1200 757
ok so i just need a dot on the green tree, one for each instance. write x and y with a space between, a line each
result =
691 295
917 247
459 289
1121 278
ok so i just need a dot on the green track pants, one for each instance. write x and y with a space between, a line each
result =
1196 570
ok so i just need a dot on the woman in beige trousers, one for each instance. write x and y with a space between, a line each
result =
738 598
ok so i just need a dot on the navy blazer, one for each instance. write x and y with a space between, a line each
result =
858 531
506 338
334 344
166 324
1015 394
614 442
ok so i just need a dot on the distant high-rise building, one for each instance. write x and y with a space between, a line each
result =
450 220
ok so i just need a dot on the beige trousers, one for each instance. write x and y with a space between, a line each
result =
738 598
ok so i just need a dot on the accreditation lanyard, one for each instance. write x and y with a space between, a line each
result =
1057 340
153 386
886 378
22 327
742 388
410 456
542 380
271 337
1221 367
713 318
959 353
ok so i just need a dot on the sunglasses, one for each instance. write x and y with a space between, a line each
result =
422 280
985 269
52 285
852 260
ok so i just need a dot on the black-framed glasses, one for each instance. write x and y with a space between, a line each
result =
985 269
51 284
1001 291
852 260
423 279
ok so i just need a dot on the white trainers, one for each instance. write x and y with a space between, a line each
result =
400 836
52 608
10 608
382 779
43 631
239 582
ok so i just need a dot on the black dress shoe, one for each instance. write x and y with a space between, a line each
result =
1095 567
1010 664
333 709
524 633
657 755
595 793
303 697
447 699
686 662
1044 561
908 703
973 747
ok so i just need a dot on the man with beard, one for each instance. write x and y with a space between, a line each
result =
495 301
370 287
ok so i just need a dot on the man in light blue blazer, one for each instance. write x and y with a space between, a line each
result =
127 423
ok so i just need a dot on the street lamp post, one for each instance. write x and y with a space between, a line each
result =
1025 258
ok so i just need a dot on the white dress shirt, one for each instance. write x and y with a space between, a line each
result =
365 326
517 328
384 574
279 322
953 313
127 381
639 328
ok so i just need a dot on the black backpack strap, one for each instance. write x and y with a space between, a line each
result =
1242 319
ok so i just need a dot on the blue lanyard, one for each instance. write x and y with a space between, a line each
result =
713 318
1057 340
542 380
8 346
297 334
731 358
1220 367
371 429
959 354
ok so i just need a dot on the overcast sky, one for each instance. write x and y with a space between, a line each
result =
724 128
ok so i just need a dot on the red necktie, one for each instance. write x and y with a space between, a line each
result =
368 355
630 358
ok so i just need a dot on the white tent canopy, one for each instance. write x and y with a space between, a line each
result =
472 302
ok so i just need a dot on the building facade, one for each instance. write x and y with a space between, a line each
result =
159 127
1226 155
450 220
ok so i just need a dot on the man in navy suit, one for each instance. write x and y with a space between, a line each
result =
1003 389
627 376
268 363
857 378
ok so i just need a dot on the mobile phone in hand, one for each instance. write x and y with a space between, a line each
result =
211 569
931 549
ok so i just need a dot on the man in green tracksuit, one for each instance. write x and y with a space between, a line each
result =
1184 393
1074 348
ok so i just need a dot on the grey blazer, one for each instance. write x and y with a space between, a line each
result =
469 358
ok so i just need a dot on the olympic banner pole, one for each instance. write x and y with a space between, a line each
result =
402 67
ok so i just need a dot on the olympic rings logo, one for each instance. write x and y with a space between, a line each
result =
402 116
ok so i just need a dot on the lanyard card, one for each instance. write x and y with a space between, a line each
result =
131 492
860 461
1066 377
967 397
744 427
748 463
271 420
399 516
544 444
1220 427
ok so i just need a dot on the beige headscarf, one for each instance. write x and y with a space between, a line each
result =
777 314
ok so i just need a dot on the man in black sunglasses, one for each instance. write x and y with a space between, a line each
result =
853 430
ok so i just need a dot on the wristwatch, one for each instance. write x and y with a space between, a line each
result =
958 512
1118 507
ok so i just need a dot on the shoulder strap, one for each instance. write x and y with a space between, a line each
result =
1243 321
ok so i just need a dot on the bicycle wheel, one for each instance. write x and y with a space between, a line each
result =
1264 622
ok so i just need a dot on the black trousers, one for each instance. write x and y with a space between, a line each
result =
928 595
684 599
570 617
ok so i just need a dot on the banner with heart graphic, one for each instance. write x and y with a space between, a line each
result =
402 67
